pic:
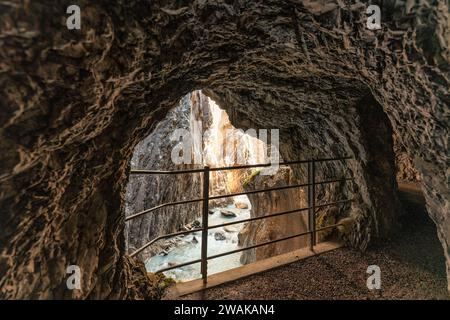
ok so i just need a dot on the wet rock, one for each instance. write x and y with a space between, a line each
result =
211 211
194 240
241 205
230 229
219 236
228 213
193 225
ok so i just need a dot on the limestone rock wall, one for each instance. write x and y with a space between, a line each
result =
210 130
367 136
74 104
224 146
267 203
147 191
404 164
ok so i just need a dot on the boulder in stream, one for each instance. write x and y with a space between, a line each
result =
230 229
241 205
228 213
219 236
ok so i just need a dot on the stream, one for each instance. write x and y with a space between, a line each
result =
188 247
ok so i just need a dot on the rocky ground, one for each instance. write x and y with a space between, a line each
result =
412 267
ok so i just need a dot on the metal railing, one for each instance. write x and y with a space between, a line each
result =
311 209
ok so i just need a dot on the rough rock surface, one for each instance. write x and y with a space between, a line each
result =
74 104
147 191
368 135
265 230
406 172
225 145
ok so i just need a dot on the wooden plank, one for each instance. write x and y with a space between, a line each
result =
184 288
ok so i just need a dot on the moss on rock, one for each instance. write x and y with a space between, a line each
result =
251 177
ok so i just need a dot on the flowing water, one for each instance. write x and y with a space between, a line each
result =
188 248
184 249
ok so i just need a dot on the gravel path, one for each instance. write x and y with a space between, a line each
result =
412 267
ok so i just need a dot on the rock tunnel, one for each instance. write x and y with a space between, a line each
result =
75 103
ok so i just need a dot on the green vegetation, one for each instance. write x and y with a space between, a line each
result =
324 220
159 284
251 177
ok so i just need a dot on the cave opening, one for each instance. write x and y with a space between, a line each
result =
77 104
210 130
196 133
363 131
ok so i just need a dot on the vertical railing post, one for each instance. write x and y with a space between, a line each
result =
312 203
204 263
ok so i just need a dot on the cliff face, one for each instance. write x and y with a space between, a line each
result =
215 142
74 104
226 146
368 136
146 191
267 203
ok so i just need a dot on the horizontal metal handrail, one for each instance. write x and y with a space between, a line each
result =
233 223
213 227
143 171
247 166
275 214
312 209
133 216
247 248
232 195
271 241
169 235
277 188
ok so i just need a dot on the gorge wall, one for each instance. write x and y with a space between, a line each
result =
266 203
147 191
209 139
74 104
368 137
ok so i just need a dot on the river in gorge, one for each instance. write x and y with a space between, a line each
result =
220 240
